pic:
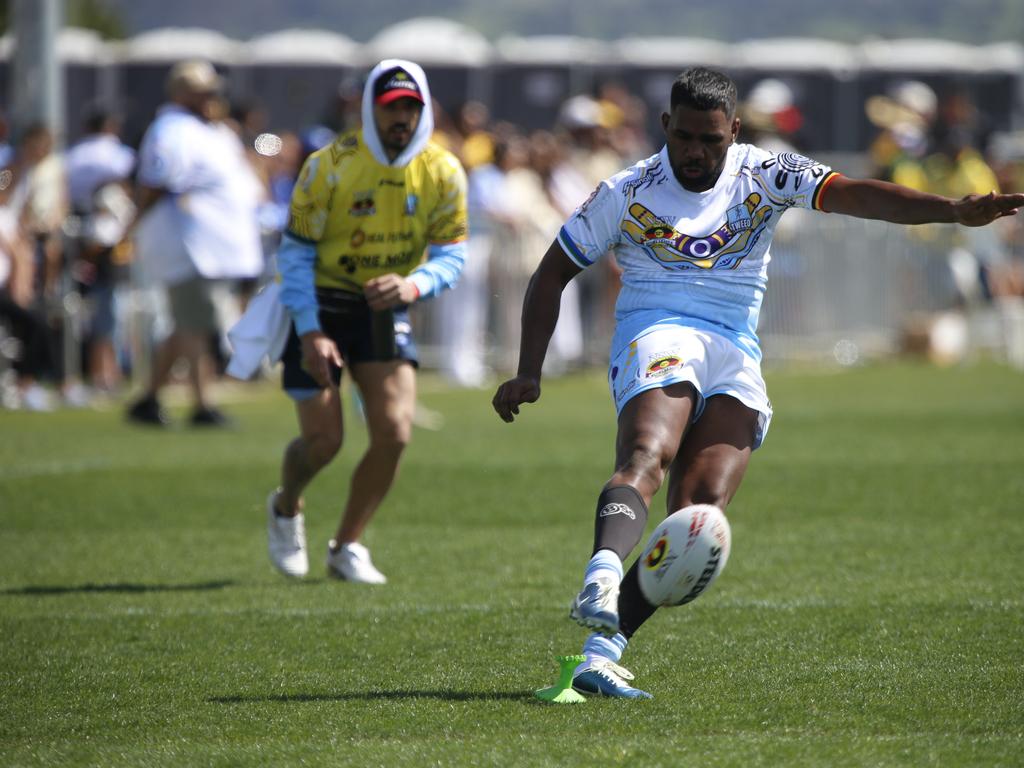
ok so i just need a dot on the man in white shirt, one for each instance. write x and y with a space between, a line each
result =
200 197
691 228
98 158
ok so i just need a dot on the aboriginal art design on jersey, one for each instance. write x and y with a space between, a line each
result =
781 177
651 176
724 248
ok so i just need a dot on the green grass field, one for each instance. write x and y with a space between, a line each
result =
871 612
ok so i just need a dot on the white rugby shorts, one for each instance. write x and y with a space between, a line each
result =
667 354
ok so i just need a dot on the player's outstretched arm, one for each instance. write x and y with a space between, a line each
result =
872 199
540 314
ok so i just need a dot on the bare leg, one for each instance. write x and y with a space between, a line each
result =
708 469
166 355
320 425
103 367
713 458
389 397
651 426
194 348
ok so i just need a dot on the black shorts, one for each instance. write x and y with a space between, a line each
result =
361 334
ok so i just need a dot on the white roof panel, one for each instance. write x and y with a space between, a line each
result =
429 40
177 43
925 55
301 46
678 52
794 54
554 49
82 46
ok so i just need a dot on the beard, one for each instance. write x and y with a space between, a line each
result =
697 178
397 137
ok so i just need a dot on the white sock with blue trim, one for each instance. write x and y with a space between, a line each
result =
603 563
598 646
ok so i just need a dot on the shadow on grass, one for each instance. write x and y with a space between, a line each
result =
376 695
122 588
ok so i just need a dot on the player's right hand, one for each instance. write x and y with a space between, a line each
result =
318 353
513 393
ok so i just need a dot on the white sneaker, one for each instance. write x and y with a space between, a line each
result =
286 540
77 396
352 563
597 606
37 398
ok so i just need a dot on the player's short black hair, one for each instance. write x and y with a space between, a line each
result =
704 89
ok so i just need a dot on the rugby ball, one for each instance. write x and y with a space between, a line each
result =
684 555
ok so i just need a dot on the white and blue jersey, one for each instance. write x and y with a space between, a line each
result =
700 258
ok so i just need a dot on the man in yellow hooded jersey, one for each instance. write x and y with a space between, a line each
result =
378 222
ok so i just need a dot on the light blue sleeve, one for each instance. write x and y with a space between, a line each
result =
295 260
441 270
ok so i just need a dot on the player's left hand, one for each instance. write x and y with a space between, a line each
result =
979 210
388 291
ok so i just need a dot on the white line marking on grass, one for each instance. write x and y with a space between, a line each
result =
54 467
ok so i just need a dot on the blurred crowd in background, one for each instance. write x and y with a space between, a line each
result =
80 314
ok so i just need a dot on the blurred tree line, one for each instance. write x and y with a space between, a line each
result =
103 16
969 21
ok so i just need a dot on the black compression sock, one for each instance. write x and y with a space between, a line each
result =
620 520
634 609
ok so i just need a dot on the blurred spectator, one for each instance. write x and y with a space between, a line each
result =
625 115
97 159
41 195
564 188
104 259
477 142
199 197
589 148
283 158
19 317
493 214
343 114
313 138
770 117
445 133
905 116
249 119
957 168
6 150
40 202
98 169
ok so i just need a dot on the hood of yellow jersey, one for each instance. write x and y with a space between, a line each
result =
423 131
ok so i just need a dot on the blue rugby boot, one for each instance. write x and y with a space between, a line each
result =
597 606
598 676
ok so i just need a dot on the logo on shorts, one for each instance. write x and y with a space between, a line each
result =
616 509
627 389
662 366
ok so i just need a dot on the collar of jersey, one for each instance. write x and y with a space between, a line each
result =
707 193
